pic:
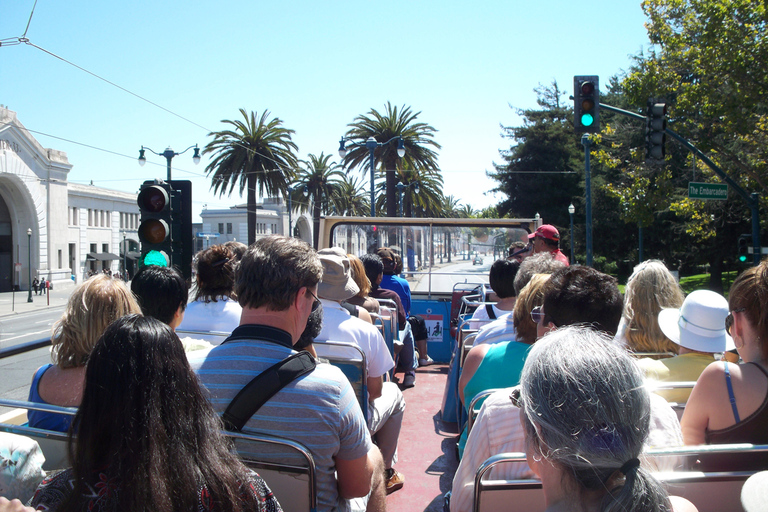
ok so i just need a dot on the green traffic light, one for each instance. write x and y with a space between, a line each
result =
743 258
587 120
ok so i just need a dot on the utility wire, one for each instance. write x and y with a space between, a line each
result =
30 19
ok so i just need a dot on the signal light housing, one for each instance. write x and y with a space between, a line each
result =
743 246
586 103
655 131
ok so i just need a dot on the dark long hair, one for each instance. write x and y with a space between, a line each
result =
145 422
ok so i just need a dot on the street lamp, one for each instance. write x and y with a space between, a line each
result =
571 211
401 189
29 262
371 144
169 154
290 210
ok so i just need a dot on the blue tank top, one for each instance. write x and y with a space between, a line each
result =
42 419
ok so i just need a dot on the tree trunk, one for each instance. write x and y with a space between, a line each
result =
251 205
315 220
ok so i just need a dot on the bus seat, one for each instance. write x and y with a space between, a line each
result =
350 359
286 465
53 444
459 291
475 404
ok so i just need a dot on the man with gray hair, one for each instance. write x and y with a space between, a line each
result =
276 285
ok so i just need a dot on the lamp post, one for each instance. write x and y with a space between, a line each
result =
290 210
29 262
169 154
571 211
371 145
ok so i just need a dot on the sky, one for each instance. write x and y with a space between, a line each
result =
181 67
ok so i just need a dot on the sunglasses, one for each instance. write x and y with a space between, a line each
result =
537 315
729 319
315 304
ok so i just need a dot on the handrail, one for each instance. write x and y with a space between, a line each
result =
24 347
471 409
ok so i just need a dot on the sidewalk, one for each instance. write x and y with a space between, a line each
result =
58 298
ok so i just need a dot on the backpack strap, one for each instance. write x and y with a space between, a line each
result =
263 387
491 312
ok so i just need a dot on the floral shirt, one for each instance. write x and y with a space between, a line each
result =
102 491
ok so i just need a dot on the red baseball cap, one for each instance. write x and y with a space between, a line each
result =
547 231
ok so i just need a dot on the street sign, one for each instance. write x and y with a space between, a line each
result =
718 191
208 235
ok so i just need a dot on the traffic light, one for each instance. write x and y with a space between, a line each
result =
744 247
165 227
586 103
655 130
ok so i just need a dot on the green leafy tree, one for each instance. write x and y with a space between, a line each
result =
350 197
258 154
418 139
429 199
322 179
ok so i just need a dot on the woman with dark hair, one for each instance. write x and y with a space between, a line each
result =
214 308
148 440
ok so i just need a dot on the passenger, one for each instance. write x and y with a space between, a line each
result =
214 308
374 271
147 438
501 279
238 249
650 288
587 416
92 306
498 365
729 403
392 281
385 401
276 285
162 293
362 298
575 295
311 331
518 251
547 239
13 505
699 329
503 329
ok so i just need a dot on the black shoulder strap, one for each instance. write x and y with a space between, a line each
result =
263 387
491 312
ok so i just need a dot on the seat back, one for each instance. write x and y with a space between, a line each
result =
474 406
350 359
459 291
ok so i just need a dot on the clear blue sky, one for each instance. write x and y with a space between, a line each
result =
315 65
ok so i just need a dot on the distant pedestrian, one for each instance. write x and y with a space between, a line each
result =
35 284
42 286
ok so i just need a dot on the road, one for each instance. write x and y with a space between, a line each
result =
445 275
17 370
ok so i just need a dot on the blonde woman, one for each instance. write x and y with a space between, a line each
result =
362 298
93 305
650 288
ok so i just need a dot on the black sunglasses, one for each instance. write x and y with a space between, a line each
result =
729 319
315 304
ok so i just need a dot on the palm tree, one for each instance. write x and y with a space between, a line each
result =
466 211
417 139
322 179
256 153
428 202
351 198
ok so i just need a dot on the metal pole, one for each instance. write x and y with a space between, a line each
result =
371 148
125 257
755 206
290 218
169 158
640 244
572 259
588 185
29 262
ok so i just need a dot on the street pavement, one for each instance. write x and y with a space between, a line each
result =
15 303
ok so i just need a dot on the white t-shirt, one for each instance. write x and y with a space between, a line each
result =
220 316
501 329
481 314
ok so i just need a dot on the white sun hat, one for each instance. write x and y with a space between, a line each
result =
699 324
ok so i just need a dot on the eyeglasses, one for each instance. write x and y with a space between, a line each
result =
729 319
537 315
315 304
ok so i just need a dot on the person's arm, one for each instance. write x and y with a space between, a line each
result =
375 384
354 477
13 506
471 364
702 401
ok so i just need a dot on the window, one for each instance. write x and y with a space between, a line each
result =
75 214
109 221
90 217
60 260
229 228
221 227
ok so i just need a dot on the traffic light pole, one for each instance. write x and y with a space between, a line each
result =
751 199
588 186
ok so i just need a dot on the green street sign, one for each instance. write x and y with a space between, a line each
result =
716 191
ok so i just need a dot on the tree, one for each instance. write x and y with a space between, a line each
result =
350 197
417 139
321 177
259 154
429 200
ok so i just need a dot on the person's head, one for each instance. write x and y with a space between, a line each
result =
748 299
162 293
146 419
545 239
530 297
237 248
699 324
518 251
542 263
93 305
398 263
581 295
586 412
650 288
358 274
313 328
337 282
274 270
215 273
388 259
502 277
374 268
